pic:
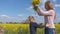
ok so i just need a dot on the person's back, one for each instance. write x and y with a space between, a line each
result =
32 28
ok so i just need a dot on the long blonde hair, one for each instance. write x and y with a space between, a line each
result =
50 6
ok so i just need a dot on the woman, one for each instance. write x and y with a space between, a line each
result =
49 16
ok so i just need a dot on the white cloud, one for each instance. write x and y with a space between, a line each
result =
6 16
57 5
30 8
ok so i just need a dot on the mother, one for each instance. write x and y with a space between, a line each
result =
49 16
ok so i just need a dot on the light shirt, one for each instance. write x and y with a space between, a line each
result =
48 17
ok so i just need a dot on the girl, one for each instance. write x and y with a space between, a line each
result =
49 16
34 25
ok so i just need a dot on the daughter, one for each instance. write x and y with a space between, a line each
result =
33 25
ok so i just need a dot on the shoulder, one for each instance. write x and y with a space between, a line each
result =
51 11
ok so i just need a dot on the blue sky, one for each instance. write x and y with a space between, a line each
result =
19 10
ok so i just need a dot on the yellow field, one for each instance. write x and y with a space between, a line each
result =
23 29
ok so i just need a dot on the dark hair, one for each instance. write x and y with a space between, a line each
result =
48 5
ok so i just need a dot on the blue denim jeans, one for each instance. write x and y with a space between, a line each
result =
50 31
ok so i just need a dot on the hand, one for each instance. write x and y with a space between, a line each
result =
47 25
35 6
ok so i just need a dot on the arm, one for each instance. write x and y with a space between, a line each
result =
46 13
39 26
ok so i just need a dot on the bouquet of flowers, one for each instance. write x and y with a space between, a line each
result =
35 2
